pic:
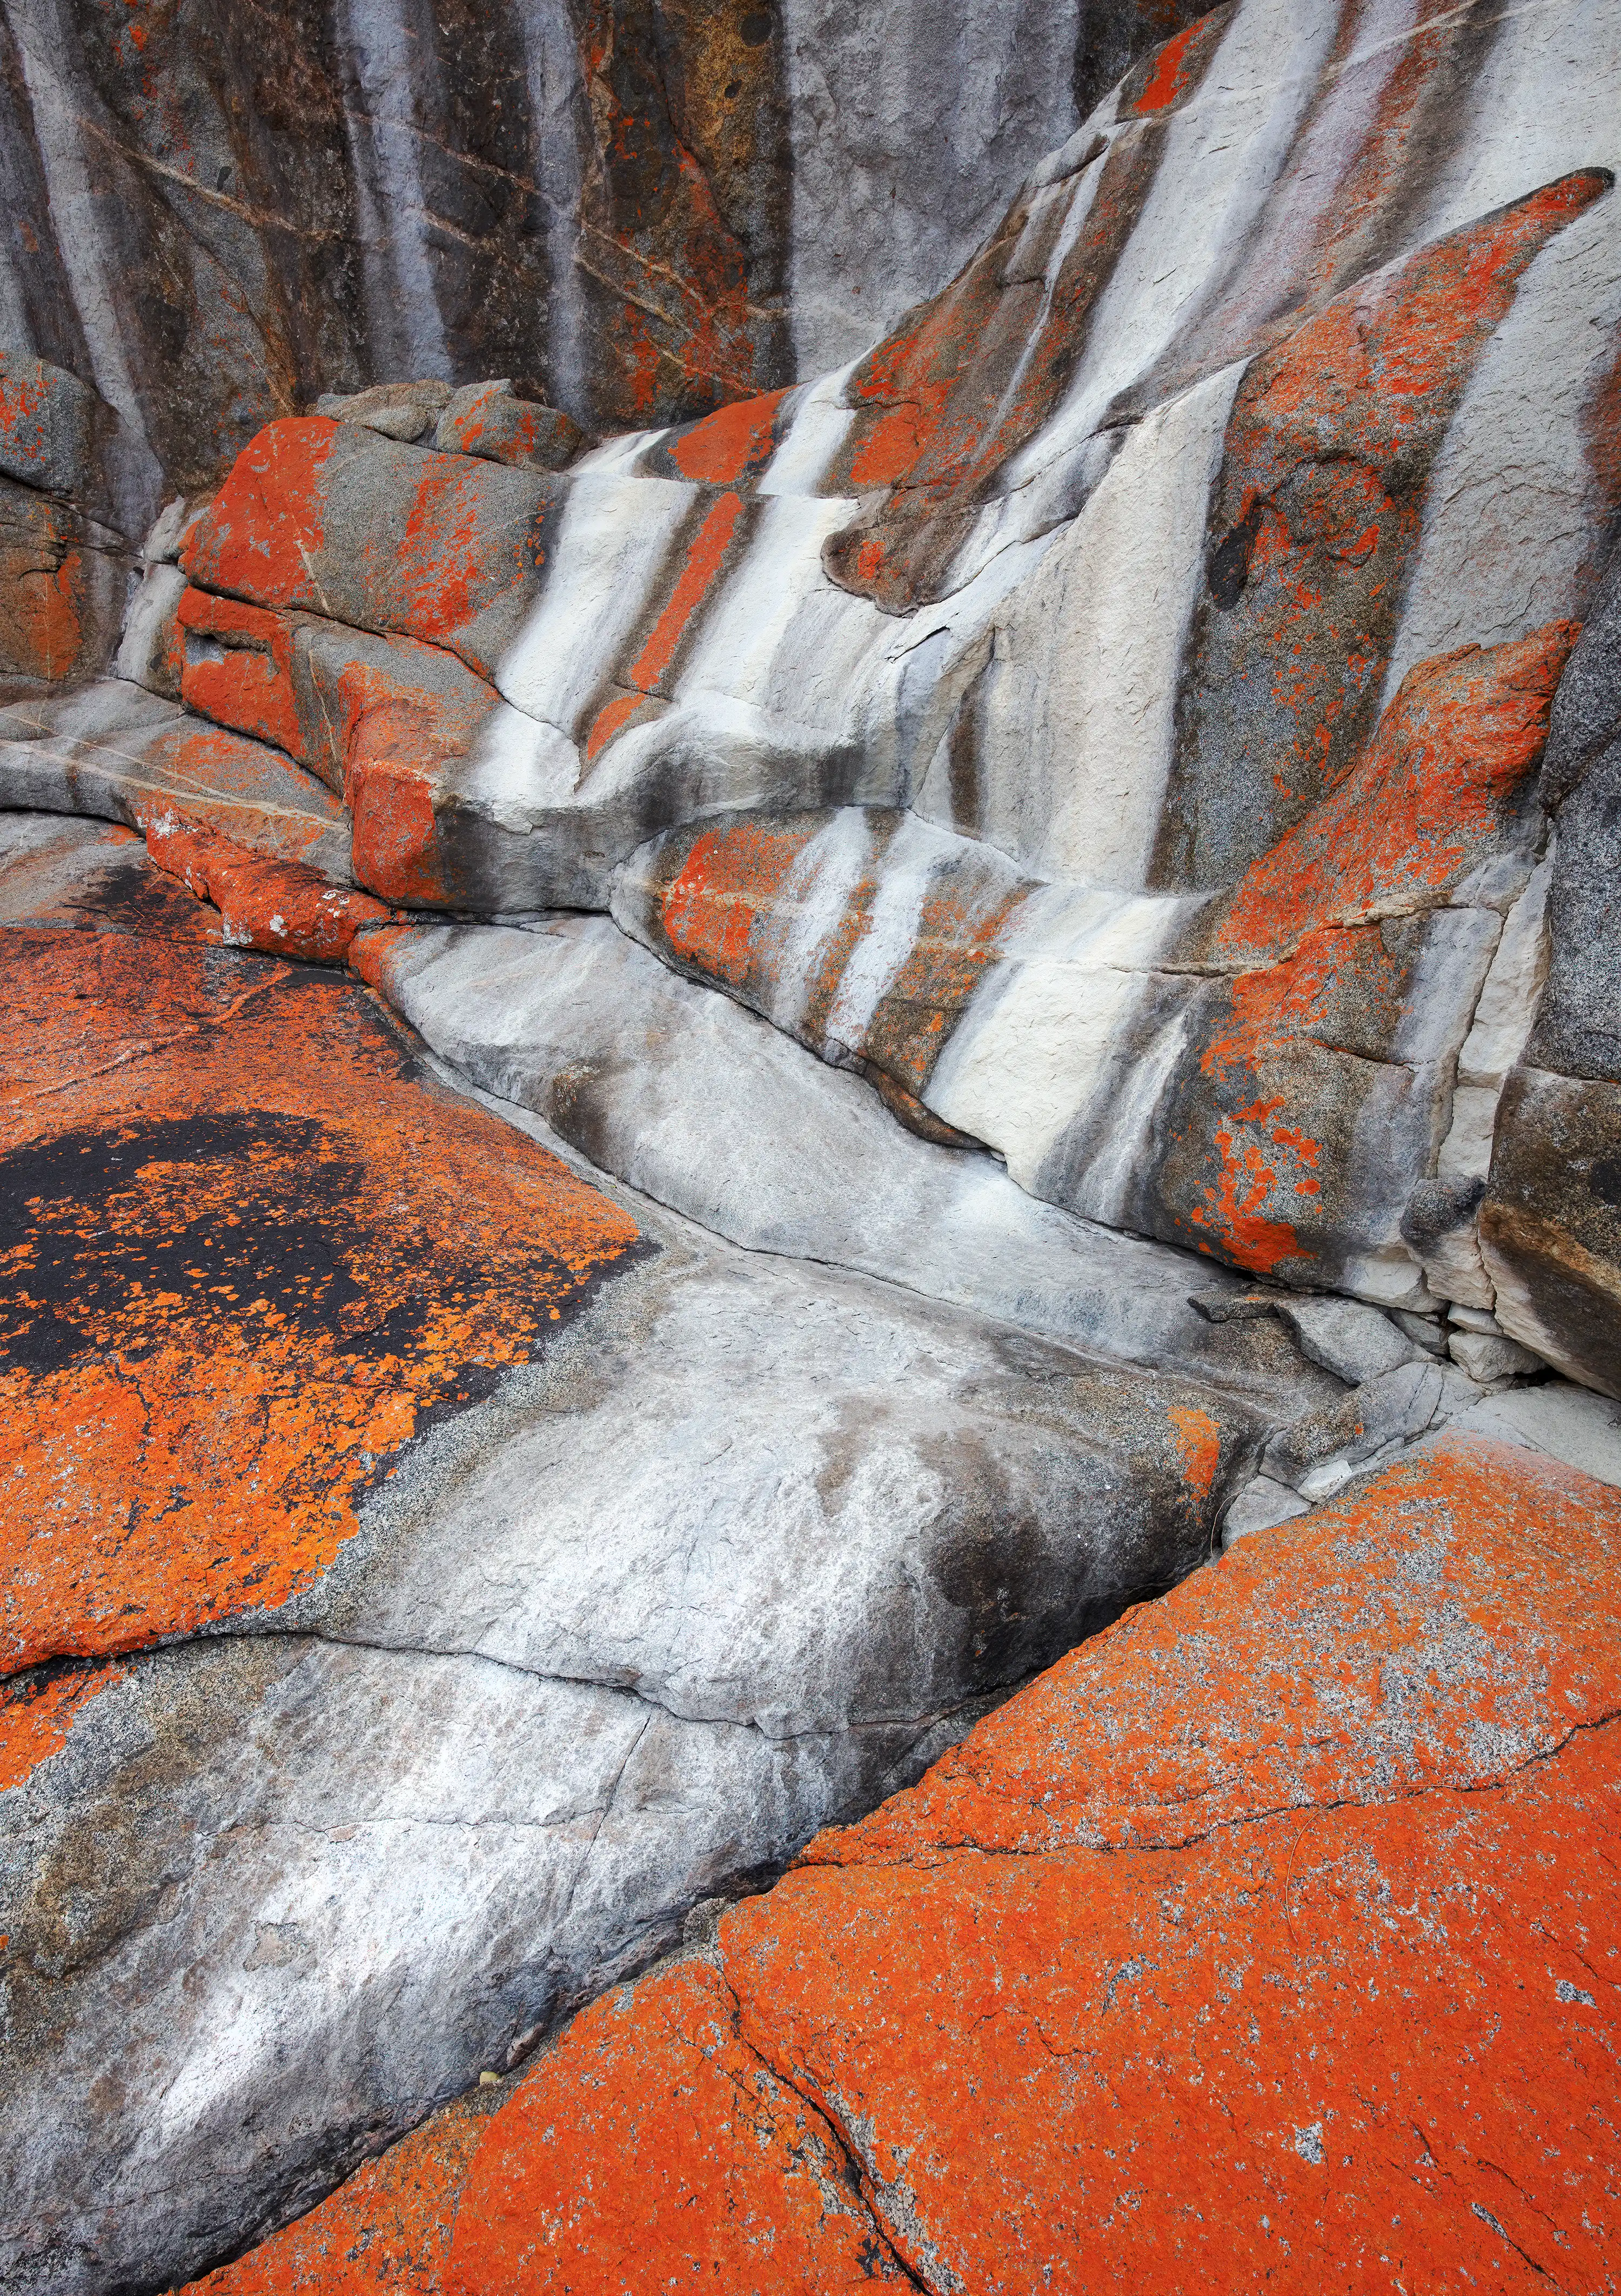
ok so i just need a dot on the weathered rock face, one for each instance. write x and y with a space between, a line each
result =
1550 1224
644 209
686 1101
425 1579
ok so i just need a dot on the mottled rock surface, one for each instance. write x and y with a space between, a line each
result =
683 1100
1270 1929
424 1577
213 218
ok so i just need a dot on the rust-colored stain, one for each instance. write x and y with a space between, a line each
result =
1198 1447
248 1249
1264 1939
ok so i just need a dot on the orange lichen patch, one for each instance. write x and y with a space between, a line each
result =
37 1714
248 1249
27 389
452 562
265 525
699 571
962 923
730 902
42 633
1170 74
1329 2046
731 445
331 518
396 726
1421 807
1465 1597
1256 1127
1198 1446
237 669
964 383
397 833
1302 1961
730 906
1265 1933
276 906
683 210
1380 170
580 2199
206 778
719 886
389 2227
1316 516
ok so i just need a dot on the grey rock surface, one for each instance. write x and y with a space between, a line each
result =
674 1089
1098 724
1348 1338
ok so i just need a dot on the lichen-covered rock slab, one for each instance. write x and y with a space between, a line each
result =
1268 1930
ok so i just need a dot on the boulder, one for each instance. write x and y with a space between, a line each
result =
394 410
699 1105
52 426
490 419
1109 1990
1550 1223
63 584
335 519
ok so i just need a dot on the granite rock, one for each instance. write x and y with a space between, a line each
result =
698 1100
1172 1885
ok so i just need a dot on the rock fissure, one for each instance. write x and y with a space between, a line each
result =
1151 1845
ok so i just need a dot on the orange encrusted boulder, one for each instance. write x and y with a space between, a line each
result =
1266 1937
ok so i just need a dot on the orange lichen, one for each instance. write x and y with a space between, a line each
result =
713 898
727 902
1316 514
277 907
1170 74
208 779
389 2229
1198 1447
1420 808
1262 1939
701 568
614 2179
250 1248
37 1715
266 523
246 681
731 444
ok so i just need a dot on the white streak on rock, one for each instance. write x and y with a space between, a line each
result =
1079 723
